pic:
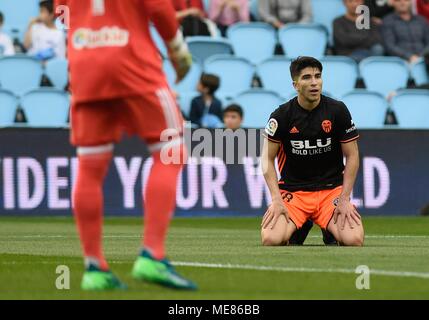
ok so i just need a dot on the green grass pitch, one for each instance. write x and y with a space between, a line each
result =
224 256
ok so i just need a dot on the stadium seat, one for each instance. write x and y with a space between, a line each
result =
244 36
275 75
254 9
339 75
303 40
419 73
411 108
384 74
158 42
258 104
20 74
57 71
8 105
368 109
18 18
46 107
325 12
184 100
235 74
203 47
189 83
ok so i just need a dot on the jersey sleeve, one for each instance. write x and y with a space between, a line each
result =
274 129
163 16
346 128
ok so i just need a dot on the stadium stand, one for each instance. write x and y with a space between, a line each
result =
203 47
419 73
384 74
303 40
184 99
46 107
325 11
235 74
189 83
17 19
339 75
8 103
411 108
257 105
244 36
275 75
57 72
367 108
20 74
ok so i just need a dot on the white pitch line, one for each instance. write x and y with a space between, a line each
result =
423 275
36 236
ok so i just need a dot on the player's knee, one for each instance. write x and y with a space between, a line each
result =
352 240
271 239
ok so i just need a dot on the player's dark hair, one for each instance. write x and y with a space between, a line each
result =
234 108
301 63
48 5
210 81
1 18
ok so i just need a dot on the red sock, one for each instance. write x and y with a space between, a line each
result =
88 205
159 206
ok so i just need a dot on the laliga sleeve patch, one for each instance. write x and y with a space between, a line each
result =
271 127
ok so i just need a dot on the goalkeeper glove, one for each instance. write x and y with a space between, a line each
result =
180 56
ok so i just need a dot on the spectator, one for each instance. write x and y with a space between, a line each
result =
192 18
280 12
6 45
423 8
233 117
206 110
226 12
353 42
42 39
405 35
379 9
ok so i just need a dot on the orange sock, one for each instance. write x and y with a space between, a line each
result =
88 206
159 206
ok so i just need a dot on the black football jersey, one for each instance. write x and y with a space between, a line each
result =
310 157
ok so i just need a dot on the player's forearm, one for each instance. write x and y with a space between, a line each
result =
270 176
162 14
350 173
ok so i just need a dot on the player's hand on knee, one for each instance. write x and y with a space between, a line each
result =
274 211
346 212
180 56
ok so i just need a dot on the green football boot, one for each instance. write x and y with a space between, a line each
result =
160 272
95 279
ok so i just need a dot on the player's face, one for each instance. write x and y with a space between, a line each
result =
232 120
309 84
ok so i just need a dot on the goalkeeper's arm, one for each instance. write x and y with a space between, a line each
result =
163 16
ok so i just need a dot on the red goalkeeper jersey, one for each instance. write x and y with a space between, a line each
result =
110 50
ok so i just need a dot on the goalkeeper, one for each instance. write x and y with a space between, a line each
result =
118 87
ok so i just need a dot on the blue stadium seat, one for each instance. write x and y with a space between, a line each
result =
17 16
244 36
158 42
275 75
325 12
258 104
384 74
184 101
189 83
57 71
254 9
419 73
235 74
20 74
339 75
411 108
203 47
303 40
46 107
8 105
368 109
